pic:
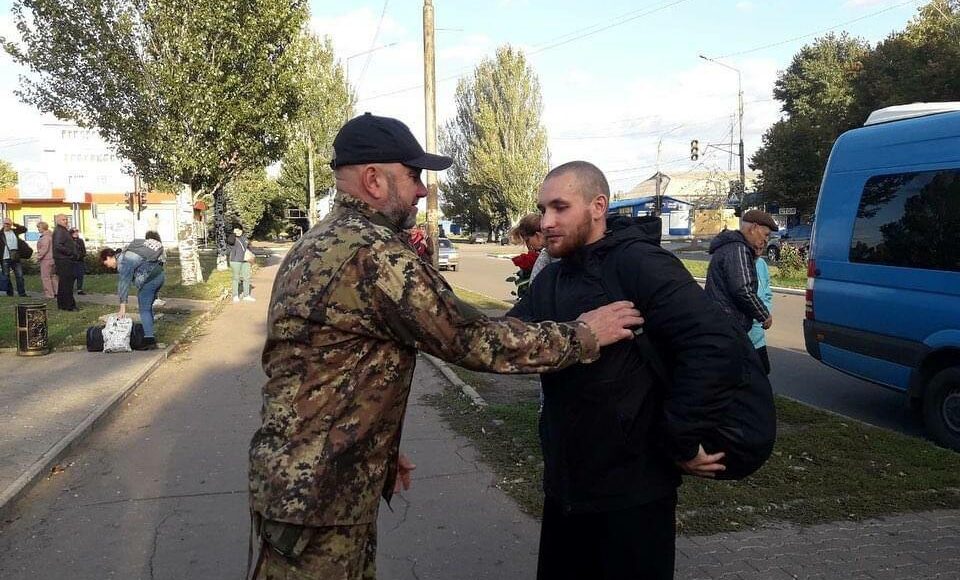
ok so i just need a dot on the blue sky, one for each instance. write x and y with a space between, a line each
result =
608 97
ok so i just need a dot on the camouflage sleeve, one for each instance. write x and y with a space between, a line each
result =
421 311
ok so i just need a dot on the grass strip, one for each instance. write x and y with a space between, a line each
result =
68 328
777 278
480 301
825 468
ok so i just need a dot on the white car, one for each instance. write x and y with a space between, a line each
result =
448 258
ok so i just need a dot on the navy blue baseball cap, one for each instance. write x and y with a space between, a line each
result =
372 139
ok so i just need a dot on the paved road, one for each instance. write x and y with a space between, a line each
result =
795 373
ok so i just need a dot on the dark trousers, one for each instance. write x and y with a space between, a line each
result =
79 269
764 358
12 271
636 543
65 299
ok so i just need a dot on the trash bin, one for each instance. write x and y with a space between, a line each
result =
32 329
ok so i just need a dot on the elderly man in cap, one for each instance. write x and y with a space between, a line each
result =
732 275
351 306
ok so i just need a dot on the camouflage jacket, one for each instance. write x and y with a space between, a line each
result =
351 306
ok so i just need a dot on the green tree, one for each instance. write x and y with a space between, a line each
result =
8 175
817 92
250 196
327 105
189 92
920 63
792 159
498 124
461 201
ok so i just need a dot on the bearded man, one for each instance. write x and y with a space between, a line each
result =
615 440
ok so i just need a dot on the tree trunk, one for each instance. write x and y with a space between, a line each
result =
190 272
311 192
220 226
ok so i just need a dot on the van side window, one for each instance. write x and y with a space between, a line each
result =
910 220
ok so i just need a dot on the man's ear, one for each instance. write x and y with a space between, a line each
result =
599 206
373 181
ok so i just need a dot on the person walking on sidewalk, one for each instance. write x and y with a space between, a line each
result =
79 265
239 266
11 256
352 304
732 274
757 333
64 256
138 265
48 272
614 438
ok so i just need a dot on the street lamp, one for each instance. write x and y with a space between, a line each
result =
743 182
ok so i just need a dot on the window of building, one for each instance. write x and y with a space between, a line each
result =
910 220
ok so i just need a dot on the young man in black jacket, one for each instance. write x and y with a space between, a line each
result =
614 439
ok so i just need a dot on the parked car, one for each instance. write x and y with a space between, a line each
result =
798 236
448 257
479 237
883 293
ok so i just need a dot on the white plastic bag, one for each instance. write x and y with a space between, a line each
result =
116 334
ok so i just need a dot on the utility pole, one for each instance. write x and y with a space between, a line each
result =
311 194
430 110
743 173
730 158
657 203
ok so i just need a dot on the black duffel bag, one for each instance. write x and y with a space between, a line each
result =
95 339
746 430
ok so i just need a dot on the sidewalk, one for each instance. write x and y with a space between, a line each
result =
49 402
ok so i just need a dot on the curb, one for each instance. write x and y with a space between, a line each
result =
508 305
456 381
49 459
777 289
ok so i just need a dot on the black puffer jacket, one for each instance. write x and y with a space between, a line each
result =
610 432
732 279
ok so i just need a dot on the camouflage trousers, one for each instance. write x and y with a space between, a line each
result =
333 553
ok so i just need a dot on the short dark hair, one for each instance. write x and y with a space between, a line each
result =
591 179
107 253
152 235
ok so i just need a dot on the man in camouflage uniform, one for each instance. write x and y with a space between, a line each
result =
351 306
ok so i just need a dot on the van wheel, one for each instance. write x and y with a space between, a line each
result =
773 254
941 407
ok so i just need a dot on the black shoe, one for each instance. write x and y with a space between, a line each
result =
81 293
149 343
24 295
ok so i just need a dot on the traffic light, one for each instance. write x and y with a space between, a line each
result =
142 199
128 199
694 150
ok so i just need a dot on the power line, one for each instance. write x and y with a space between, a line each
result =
620 21
655 132
801 37
373 43
543 49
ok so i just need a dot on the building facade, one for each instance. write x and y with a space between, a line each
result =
79 175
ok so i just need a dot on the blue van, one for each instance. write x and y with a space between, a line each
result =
883 286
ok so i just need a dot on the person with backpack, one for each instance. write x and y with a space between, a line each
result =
615 437
239 264
12 251
138 265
